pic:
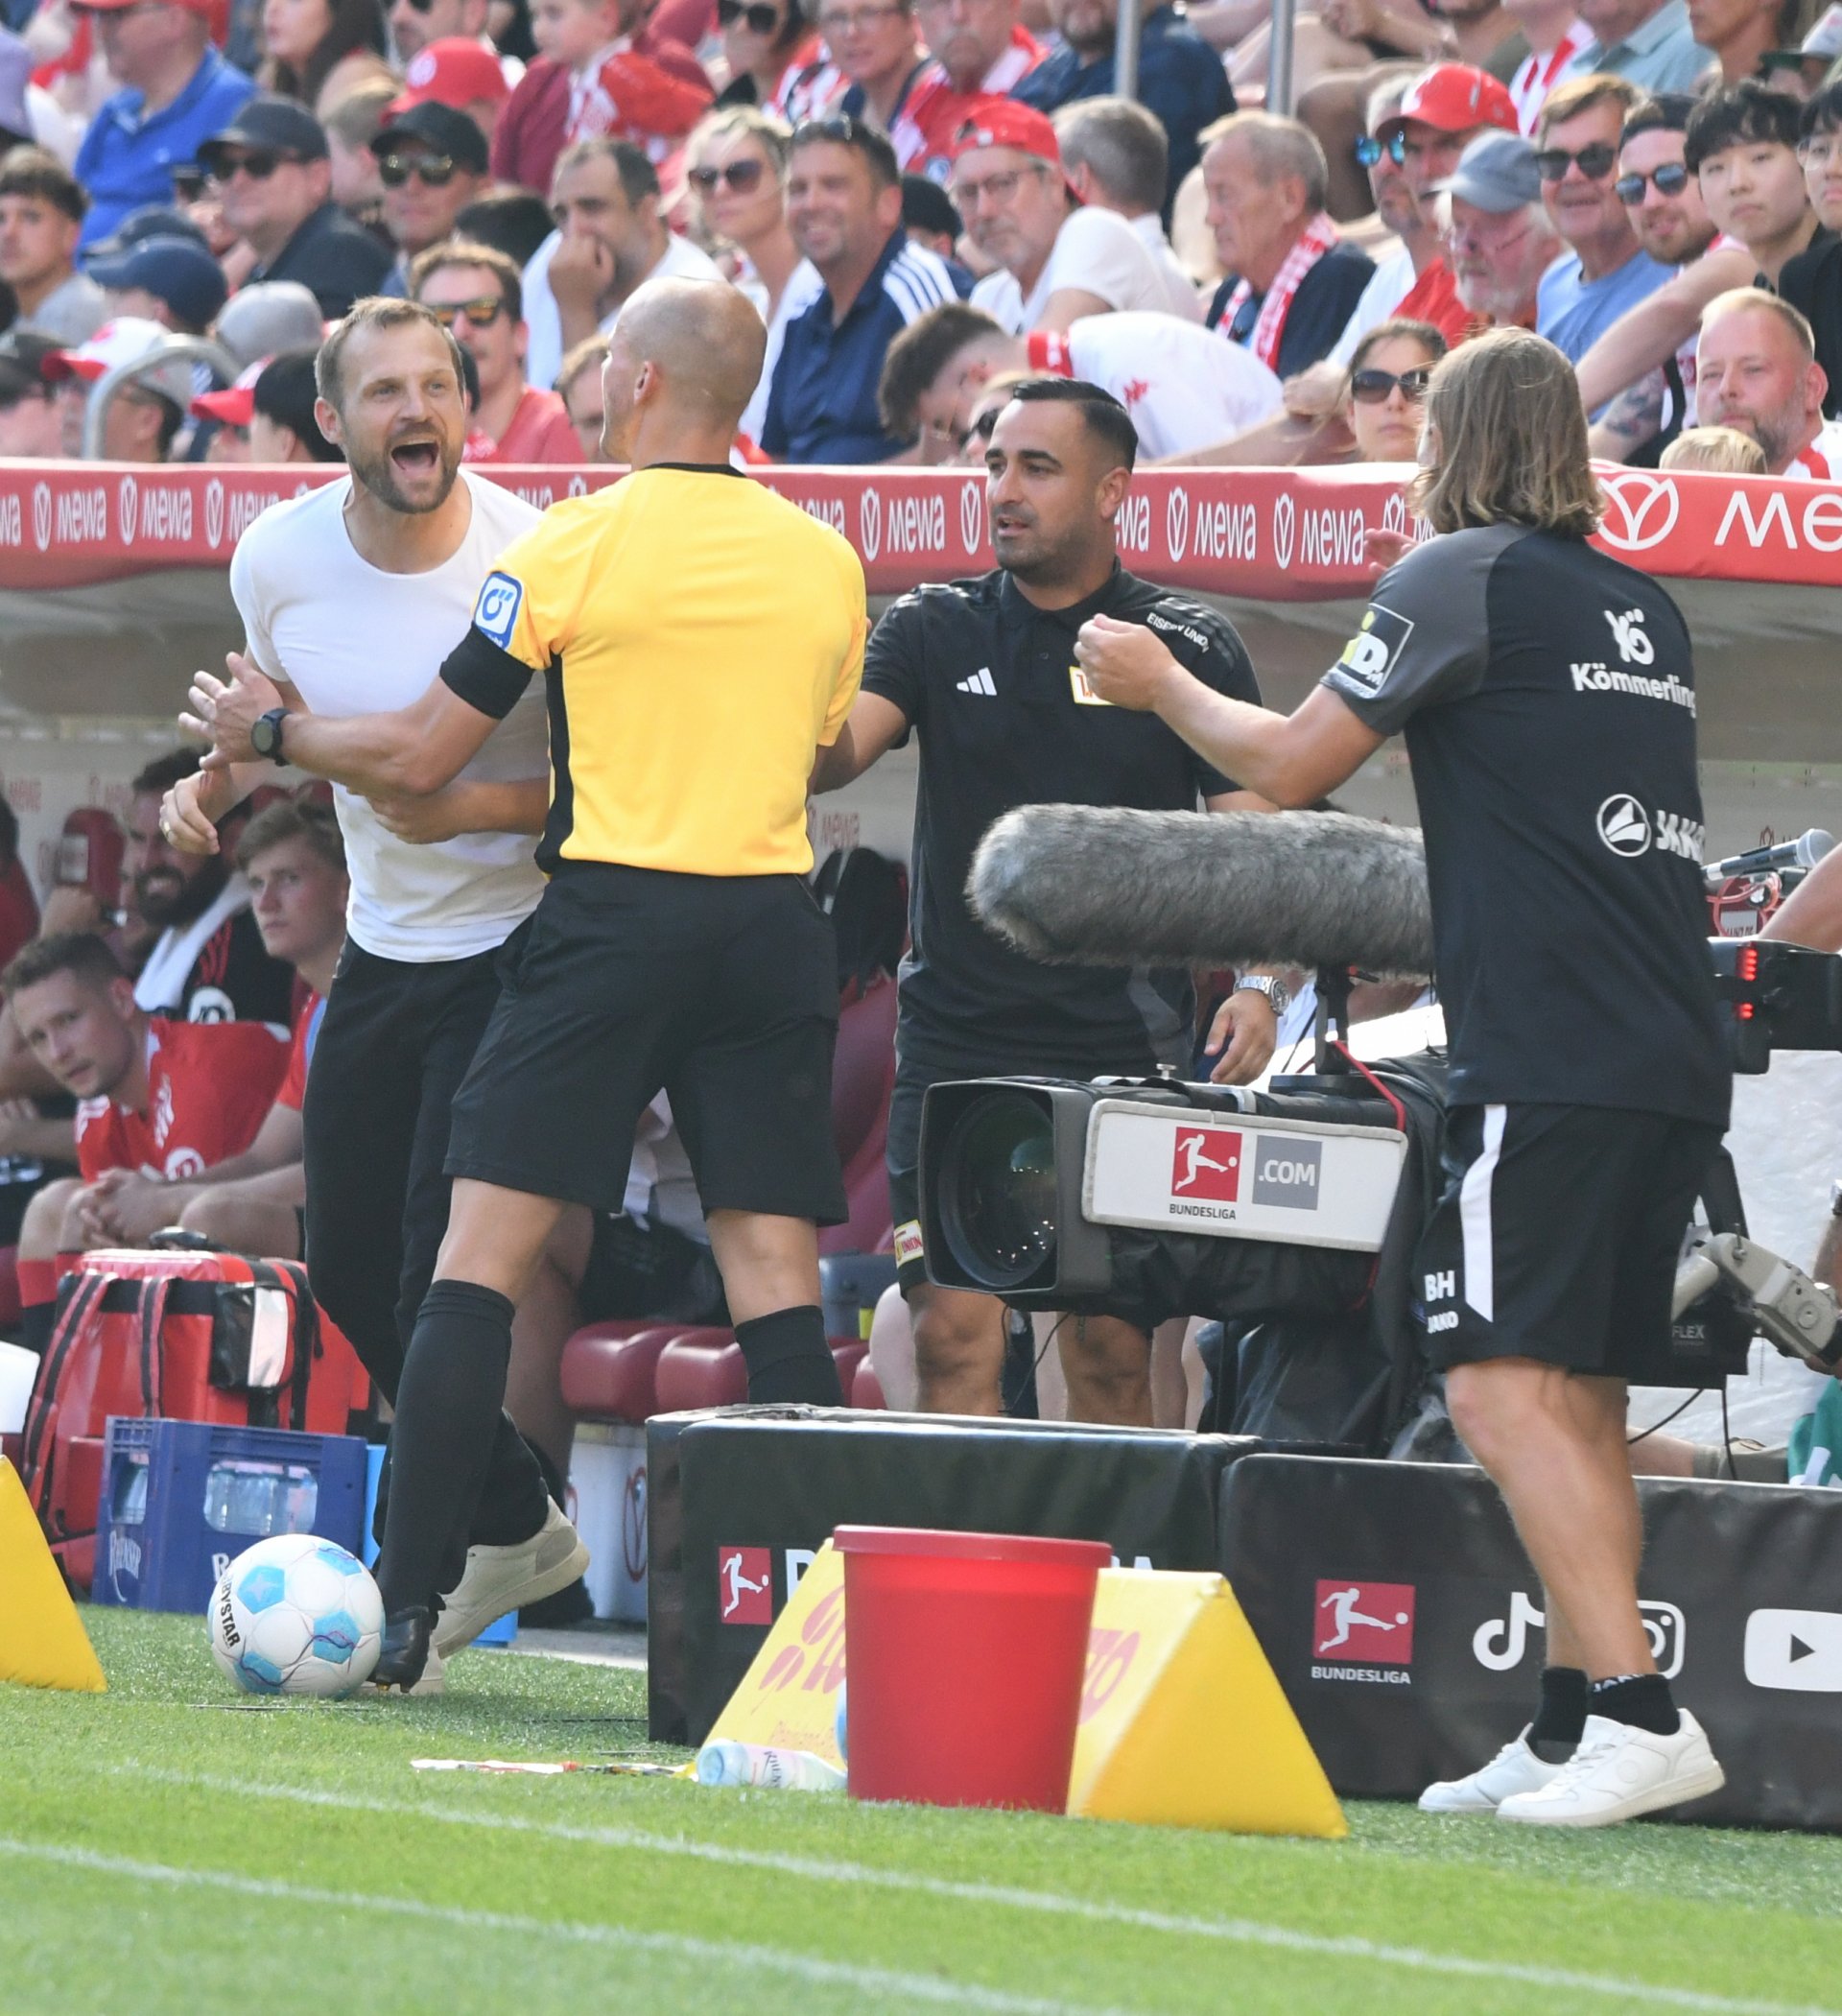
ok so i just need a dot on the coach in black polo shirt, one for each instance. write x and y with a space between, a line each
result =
985 671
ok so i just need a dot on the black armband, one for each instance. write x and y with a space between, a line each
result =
484 674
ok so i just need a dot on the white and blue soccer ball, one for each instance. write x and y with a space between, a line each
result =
296 1615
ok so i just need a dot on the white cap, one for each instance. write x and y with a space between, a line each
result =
1825 39
127 340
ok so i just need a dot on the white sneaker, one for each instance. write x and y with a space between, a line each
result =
502 1578
1515 1769
431 1684
1618 1772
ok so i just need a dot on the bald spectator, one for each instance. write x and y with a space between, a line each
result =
1115 156
1181 80
1649 44
176 91
1757 372
145 414
273 173
877 51
1555 35
1292 282
30 424
476 292
1607 270
432 162
41 218
1055 258
979 48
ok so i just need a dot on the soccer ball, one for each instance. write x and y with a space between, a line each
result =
296 1615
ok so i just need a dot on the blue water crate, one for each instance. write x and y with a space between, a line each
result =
502 1630
181 1500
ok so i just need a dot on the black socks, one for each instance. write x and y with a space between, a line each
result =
789 1360
1642 1699
1561 1720
448 1411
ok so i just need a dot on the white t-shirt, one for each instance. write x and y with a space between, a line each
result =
1181 294
1095 249
352 639
1388 287
681 260
802 289
1183 385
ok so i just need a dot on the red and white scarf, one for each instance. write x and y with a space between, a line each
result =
1048 352
1538 75
1269 329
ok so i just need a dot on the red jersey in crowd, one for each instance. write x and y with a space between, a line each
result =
1433 298
540 432
210 1087
935 108
539 115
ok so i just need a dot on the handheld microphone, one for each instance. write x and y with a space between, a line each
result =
1803 852
1101 886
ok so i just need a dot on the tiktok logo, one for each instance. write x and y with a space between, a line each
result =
1500 1642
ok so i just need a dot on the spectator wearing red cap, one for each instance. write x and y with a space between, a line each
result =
465 76
570 93
476 292
1292 282
41 214
432 161
979 49
146 413
1555 35
176 91
1057 259
418 25
1441 113
272 407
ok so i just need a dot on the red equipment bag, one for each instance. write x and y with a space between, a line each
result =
185 1336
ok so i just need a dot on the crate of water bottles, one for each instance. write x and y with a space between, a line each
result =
181 1500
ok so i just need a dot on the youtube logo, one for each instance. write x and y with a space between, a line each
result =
1795 1651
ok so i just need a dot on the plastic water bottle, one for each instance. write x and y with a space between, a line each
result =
774 1770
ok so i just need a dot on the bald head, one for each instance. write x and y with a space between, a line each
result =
703 339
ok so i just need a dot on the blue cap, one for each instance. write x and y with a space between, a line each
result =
173 269
149 221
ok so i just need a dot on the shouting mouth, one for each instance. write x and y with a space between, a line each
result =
417 457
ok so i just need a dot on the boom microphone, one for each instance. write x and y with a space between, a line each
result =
1803 852
1100 886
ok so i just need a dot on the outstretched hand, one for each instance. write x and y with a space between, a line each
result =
225 711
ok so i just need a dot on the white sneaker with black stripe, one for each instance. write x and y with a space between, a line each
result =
1515 1769
1618 1772
502 1578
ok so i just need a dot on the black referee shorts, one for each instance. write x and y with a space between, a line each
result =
1557 1235
720 989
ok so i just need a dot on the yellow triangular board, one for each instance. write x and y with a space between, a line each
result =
41 1639
1183 1723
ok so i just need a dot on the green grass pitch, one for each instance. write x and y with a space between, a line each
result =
166 1848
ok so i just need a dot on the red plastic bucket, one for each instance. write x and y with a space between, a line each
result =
964 1656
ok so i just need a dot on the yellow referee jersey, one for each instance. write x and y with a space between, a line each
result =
701 637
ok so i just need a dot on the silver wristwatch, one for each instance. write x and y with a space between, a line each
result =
1278 994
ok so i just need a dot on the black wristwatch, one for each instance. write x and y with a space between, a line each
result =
265 734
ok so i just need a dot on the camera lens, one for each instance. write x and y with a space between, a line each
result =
999 1201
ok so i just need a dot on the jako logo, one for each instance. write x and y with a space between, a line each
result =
1641 511
1624 826
746 1584
1370 1624
1500 1642
1207 1163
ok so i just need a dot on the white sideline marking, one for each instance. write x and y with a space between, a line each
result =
880 1981
1241 1931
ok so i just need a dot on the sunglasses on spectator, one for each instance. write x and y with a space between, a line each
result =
1369 150
420 7
482 312
1594 162
1671 179
857 18
741 176
258 165
435 170
1370 387
758 15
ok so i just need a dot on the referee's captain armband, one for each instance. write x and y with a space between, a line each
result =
488 668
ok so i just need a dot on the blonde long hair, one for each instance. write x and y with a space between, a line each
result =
1504 410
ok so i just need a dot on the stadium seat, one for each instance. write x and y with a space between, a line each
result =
609 1370
700 1368
866 1388
862 1076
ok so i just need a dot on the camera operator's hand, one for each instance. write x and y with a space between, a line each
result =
1247 1032
1125 663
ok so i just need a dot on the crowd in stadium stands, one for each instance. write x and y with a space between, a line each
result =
922 197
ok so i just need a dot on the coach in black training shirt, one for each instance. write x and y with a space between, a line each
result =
985 671
1546 694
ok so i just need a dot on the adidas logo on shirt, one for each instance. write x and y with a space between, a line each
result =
980 681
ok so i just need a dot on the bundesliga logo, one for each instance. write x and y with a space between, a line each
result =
1366 1628
1207 1164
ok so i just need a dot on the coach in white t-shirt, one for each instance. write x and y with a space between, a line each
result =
1057 260
351 596
1183 385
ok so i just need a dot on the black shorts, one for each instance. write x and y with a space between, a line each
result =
1558 1234
936 1066
720 989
